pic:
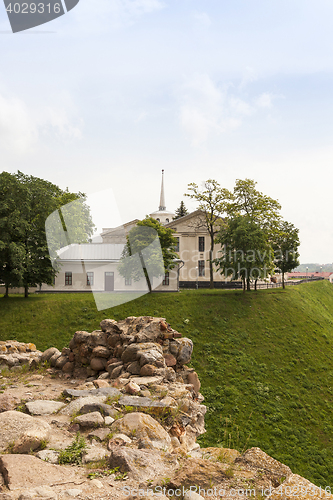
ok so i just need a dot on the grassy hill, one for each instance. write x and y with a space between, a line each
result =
264 359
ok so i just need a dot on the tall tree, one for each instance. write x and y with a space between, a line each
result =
286 243
262 209
246 252
213 201
13 201
181 211
25 235
149 250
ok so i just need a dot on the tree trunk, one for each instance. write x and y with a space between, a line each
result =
7 292
26 291
248 288
255 284
145 272
211 277
244 288
283 281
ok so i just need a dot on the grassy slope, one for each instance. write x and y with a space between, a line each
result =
264 359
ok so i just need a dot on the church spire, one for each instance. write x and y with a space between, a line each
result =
162 206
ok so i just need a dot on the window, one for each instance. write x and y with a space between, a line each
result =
90 279
201 267
201 243
166 280
128 281
167 220
158 220
68 278
177 244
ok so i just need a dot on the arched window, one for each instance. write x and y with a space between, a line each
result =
158 220
167 220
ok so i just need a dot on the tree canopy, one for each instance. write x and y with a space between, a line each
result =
246 252
149 251
25 204
286 243
255 239
181 211
213 201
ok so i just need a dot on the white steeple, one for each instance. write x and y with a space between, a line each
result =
162 206
162 215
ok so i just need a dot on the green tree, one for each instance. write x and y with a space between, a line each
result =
181 211
149 250
246 253
286 243
262 209
13 201
25 259
213 201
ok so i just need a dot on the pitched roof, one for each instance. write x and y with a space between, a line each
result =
91 252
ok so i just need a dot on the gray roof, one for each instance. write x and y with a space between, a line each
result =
91 251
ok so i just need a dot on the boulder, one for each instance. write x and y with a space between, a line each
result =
22 432
192 378
75 406
97 364
134 368
54 357
94 454
198 472
139 464
48 354
148 370
101 352
258 459
103 408
26 471
50 456
103 391
7 402
93 419
143 426
185 350
296 486
170 360
43 407
99 434
132 388
60 361
107 325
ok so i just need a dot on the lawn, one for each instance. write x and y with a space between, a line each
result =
264 360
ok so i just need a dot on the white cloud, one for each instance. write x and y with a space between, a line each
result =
57 120
17 130
113 13
265 100
207 108
202 18
21 125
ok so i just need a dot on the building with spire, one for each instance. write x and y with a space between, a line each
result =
162 215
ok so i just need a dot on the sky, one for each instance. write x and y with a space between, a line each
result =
103 98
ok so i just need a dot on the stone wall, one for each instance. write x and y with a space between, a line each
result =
141 356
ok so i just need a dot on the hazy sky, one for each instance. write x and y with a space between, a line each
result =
109 94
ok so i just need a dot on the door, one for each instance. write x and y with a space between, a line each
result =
109 282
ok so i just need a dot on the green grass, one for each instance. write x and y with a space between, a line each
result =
264 359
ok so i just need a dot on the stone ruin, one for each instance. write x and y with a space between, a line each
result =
140 406
141 356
